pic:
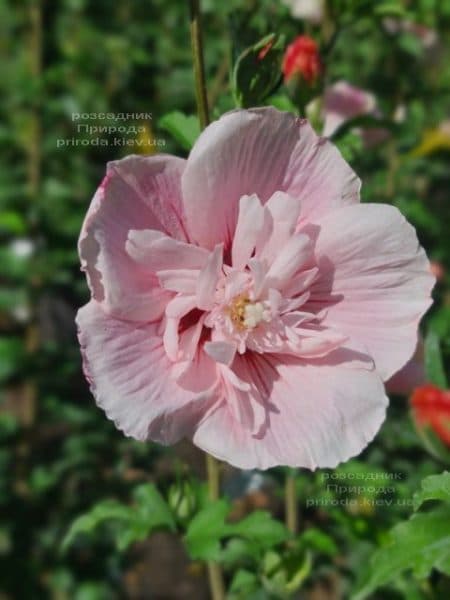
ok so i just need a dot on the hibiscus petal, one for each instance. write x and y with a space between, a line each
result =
190 338
176 309
411 376
283 213
129 374
260 151
284 208
237 282
208 279
294 254
320 414
179 280
137 192
198 375
375 281
171 338
159 252
259 273
292 305
222 352
300 282
313 344
248 228
244 404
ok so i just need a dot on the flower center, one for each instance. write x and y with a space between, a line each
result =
246 314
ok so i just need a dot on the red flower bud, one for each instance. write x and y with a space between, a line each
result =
431 406
302 58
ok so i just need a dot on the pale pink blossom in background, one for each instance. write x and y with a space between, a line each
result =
427 36
245 299
342 102
308 10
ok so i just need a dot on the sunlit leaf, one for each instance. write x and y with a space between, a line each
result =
185 129
434 487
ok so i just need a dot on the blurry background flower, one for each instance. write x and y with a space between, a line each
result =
343 102
308 10
427 36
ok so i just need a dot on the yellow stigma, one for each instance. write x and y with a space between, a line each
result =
237 310
246 314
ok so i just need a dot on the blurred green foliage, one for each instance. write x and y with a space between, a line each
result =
59 456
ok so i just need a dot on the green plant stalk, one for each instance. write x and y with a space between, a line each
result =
290 499
216 583
199 65
215 576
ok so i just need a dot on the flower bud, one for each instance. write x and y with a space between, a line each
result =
182 500
431 413
302 60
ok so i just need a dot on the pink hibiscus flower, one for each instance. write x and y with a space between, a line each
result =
244 298
342 102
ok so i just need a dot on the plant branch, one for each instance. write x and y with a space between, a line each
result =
199 66
290 499
214 571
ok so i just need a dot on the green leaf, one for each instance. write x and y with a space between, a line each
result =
108 510
237 551
243 583
185 129
410 44
11 356
260 527
284 574
434 487
12 222
257 71
319 541
208 528
205 531
350 146
420 544
152 509
13 266
434 366
390 9
282 102
135 522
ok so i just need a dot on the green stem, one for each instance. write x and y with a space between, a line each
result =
216 583
199 66
212 467
290 499
35 61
